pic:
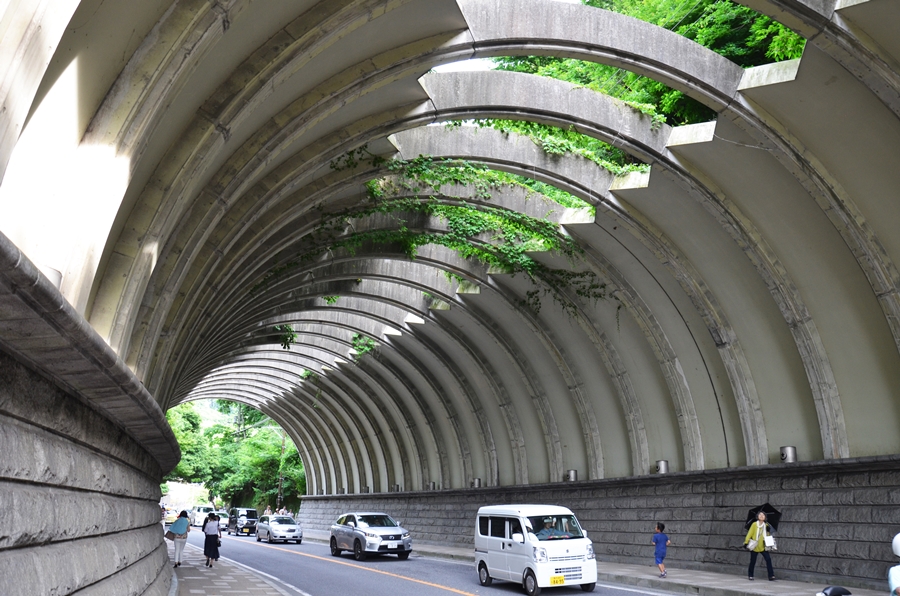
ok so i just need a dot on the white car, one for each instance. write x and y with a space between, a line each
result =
535 546
223 519
278 527
198 514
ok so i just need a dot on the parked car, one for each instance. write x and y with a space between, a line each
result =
171 515
367 533
223 519
198 514
278 527
242 520
527 544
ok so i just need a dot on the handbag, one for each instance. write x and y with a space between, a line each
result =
770 543
170 535
752 544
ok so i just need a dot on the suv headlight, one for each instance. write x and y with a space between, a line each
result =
540 555
590 551
405 535
371 534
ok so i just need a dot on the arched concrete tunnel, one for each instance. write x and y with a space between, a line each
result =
166 164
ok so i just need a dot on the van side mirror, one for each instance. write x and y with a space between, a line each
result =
517 537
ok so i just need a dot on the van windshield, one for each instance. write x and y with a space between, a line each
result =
555 527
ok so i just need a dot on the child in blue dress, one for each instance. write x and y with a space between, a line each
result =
661 541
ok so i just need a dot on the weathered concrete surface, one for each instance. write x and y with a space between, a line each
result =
84 449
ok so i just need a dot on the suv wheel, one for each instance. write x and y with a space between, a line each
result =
358 553
258 538
335 551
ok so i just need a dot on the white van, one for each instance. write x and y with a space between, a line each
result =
538 546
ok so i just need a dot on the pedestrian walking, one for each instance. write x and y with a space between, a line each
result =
662 542
756 543
213 534
180 527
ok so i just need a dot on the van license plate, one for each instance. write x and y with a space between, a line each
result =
246 531
557 580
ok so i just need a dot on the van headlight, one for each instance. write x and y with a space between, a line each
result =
540 555
590 552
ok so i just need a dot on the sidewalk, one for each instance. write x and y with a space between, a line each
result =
235 580
229 578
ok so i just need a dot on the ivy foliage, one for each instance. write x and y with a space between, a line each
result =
559 141
362 345
310 376
498 238
286 335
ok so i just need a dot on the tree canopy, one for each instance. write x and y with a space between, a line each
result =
239 461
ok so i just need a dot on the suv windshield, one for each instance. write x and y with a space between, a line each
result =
377 521
281 520
555 527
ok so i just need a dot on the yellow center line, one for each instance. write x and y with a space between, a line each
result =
348 564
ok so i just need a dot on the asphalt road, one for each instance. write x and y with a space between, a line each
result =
310 569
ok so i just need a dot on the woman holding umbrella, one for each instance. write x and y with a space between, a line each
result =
755 541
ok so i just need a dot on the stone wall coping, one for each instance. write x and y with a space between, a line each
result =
79 360
848 465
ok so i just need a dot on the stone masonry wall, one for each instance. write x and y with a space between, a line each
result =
79 509
837 525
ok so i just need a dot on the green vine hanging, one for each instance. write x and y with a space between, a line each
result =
362 345
286 335
498 238
308 375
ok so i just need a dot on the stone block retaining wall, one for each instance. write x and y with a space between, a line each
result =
80 498
837 525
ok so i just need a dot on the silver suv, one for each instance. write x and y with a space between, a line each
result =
369 533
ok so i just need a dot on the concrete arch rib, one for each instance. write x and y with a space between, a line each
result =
357 406
333 422
404 291
303 436
247 374
711 80
249 163
592 184
557 102
325 464
450 261
353 306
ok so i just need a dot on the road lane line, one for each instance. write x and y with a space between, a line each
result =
272 578
348 564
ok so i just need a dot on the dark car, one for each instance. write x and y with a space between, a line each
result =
369 533
242 520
